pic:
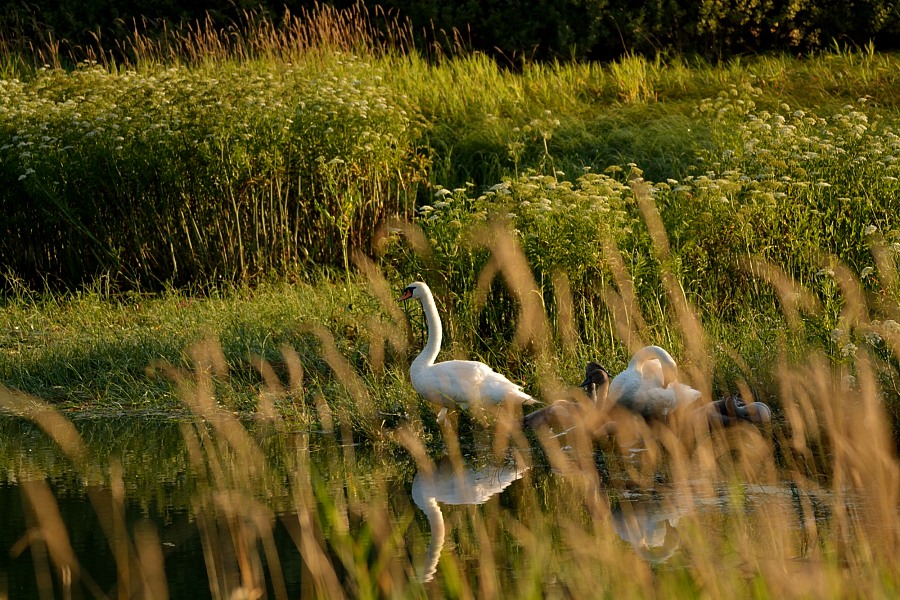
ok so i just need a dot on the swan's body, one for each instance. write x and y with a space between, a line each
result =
649 526
563 415
650 386
731 410
447 484
455 382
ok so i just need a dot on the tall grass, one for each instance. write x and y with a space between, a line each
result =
741 215
210 155
811 502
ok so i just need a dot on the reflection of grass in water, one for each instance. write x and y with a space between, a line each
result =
359 535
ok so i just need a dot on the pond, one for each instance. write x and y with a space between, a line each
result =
147 506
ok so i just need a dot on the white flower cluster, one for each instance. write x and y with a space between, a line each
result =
243 114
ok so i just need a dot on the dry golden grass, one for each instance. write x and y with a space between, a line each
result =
738 512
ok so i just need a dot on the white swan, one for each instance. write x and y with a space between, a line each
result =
454 382
732 410
448 483
649 526
650 386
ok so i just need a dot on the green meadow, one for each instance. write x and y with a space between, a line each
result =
227 219
234 186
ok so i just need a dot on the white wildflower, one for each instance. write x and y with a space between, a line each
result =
442 192
872 338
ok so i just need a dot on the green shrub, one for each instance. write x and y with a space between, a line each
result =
790 186
199 174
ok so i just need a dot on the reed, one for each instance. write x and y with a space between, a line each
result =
831 529
562 213
831 445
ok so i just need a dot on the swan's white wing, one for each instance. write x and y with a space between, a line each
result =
465 382
450 382
470 486
657 402
624 386
630 390
498 388
641 387
684 394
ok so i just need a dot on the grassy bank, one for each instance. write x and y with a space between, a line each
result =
808 506
220 229
757 195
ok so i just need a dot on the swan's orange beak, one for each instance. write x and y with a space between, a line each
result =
407 294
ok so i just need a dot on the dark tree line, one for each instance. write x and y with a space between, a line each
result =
513 29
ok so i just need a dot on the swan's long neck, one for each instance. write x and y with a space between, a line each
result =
435 333
436 522
423 494
599 393
669 368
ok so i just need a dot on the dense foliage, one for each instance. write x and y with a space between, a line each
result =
253 158
511 30
187 175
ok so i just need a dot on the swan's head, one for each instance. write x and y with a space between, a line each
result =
596 380
417 290
759 412
735 408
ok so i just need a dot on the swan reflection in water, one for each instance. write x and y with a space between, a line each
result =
450 483
648 524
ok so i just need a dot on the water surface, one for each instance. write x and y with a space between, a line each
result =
222 514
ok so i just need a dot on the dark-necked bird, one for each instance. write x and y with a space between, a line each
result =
563 415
